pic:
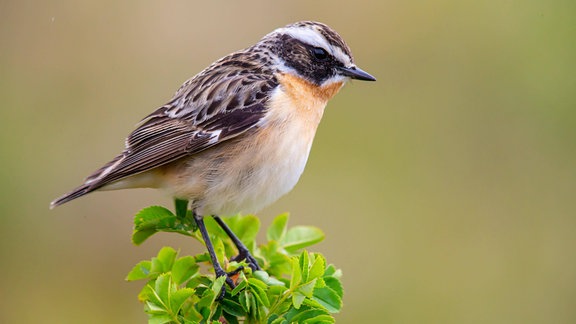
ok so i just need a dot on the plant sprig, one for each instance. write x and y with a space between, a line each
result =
294 286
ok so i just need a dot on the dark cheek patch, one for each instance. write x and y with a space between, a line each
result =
297 55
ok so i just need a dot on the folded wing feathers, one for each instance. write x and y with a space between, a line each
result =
221 102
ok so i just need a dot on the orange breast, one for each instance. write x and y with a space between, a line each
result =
305 90
303 100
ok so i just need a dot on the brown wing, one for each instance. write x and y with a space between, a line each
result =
220 103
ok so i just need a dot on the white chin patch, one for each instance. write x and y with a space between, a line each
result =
335 79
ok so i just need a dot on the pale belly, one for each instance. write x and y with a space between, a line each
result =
257 175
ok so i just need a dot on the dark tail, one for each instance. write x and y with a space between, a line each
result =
97 180
76 193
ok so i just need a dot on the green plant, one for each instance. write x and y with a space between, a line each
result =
295 287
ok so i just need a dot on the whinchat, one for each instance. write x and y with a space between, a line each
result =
236 137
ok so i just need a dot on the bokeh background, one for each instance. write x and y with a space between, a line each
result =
447 189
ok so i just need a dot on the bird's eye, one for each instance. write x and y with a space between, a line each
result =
319 53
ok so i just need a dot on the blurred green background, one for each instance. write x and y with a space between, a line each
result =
447 189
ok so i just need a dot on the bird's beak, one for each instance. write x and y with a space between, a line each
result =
356 73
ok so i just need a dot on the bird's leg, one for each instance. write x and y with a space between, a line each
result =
243 252
217 267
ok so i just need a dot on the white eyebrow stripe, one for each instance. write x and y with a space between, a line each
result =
314 38
306 35
340 56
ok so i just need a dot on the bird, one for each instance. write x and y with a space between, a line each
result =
235 137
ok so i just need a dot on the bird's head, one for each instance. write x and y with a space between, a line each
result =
313 51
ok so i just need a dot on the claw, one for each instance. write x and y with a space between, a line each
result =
252 263
243 252
235 271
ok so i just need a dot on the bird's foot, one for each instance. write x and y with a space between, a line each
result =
245 255
230 280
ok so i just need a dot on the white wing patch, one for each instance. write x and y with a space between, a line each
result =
215 136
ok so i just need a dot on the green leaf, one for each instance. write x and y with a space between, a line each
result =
140 271
200 281
138 237
320 283
181 207
240 287
164 260
260 294
299 237
149 295
219 249
277 262
163 289
205 302
332 271
193 320
266 278
308 288
245 300
308 314
184 268
217 285
259 289
178 297
304 265
207 305
262 276
277 229
314 304
245 227
279 320
167 256
230 319
320 319
317 268
159 219
149 214
151 217
202 257
257 282
280 304
335 285
159 319
253 305
297 299
149 220
276 291
157 309
154 304
232 307
296 273
328 298
189 312
143 294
